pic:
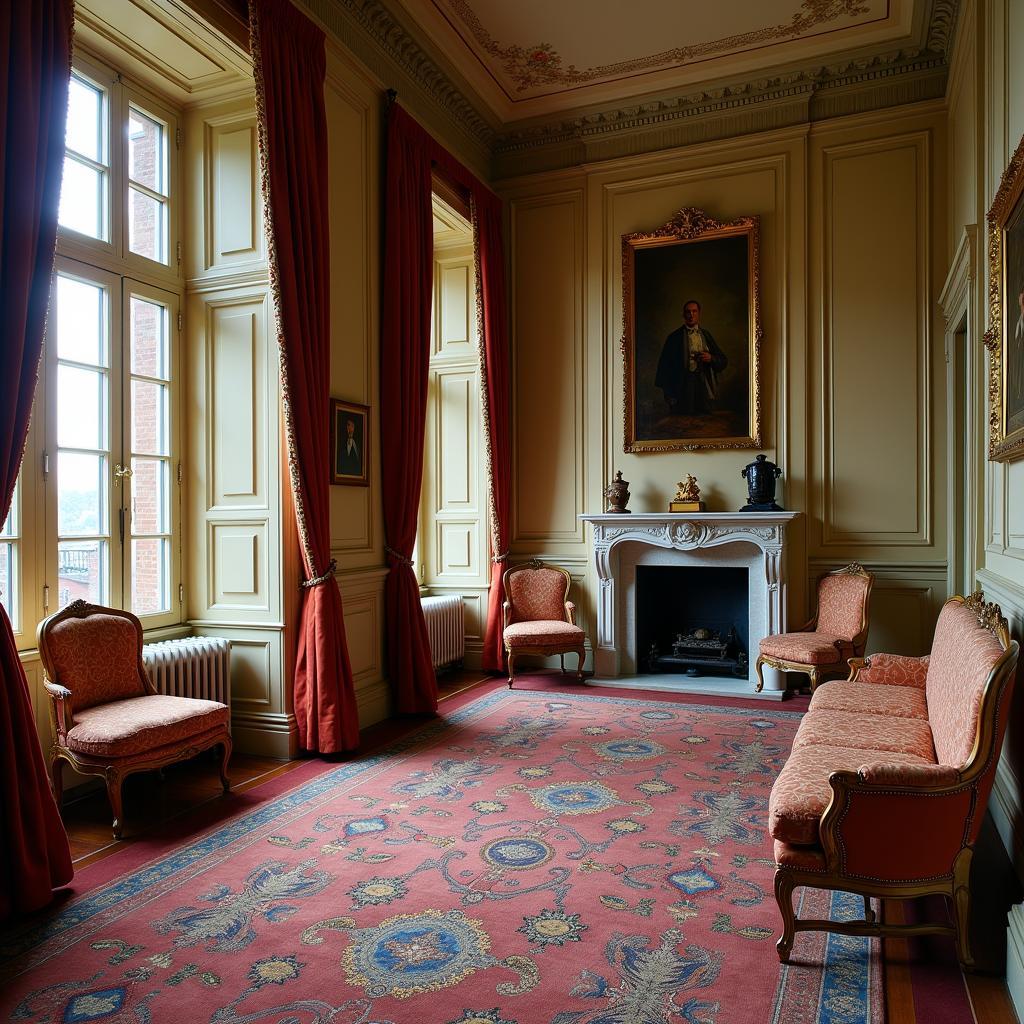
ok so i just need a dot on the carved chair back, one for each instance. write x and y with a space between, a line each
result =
536 592
843 599
94 652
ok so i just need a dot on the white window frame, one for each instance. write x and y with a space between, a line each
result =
108 261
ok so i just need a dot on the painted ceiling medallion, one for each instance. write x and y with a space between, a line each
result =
539 65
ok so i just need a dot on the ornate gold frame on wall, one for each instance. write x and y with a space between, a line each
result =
1002 446
691 225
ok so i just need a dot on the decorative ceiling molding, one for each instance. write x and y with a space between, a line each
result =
846 86
531 67
384 44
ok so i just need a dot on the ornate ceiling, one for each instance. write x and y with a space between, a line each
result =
538 57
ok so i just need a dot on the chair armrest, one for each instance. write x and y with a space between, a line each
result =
506 614
896 823
890 670
570 613
61 715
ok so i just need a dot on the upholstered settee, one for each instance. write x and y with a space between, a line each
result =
887 783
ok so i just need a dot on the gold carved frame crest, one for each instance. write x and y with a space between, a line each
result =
691 225
1005 442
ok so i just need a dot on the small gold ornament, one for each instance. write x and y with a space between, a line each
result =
687 497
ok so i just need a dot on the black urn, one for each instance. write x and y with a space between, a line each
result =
761 476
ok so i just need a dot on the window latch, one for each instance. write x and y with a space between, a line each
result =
122 471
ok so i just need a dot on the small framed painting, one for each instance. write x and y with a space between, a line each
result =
1005 337
350 443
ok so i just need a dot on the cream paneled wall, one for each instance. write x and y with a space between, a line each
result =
986 123
238 545
353 104
852 259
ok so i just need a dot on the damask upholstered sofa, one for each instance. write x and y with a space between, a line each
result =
106 715
887 783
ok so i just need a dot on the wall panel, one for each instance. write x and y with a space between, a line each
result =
876 343
549 375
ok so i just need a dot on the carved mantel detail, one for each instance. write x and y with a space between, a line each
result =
690 535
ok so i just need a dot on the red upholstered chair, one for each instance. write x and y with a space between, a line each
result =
538 617
106 716
838 631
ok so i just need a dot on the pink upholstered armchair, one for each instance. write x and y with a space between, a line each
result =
838 631
538 617
106 716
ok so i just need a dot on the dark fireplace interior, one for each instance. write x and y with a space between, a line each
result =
677 601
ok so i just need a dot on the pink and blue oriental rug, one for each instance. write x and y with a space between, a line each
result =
531 858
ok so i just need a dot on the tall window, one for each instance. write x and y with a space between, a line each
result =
98 511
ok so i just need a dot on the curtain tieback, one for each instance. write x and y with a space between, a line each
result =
397 556
317 580
503 557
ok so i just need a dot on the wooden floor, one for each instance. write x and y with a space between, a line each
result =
149 803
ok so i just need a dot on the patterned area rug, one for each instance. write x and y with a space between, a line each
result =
533 858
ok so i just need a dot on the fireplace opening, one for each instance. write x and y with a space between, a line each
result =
692 619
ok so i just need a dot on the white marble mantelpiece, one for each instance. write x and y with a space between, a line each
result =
752 540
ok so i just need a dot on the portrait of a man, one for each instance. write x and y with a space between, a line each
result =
349 437
689 365
690 335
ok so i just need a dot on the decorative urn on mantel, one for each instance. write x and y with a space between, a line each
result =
761 476
617 493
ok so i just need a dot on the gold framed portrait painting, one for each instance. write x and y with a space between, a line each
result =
350 443
1005 336
691 335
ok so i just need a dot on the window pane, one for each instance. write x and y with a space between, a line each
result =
149 418
150 578
81 572
80 403
149 338
146 151
146 226
7 579
83 133
149 496
80 322
81 504
81 199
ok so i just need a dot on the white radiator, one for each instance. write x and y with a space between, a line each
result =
195 666
443 615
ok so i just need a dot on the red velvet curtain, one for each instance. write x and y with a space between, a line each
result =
290 68
35 56
490 283
405 353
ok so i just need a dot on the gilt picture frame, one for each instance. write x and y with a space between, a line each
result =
1005 336
350 443
691 335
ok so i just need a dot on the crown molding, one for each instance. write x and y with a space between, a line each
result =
381 40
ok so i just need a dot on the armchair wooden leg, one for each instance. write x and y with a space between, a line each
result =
760 677
225 757
561 660
57 780
813 674
511 668
784 897
579 668
962 908
114 781
869 914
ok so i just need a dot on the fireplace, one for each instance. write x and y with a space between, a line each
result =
692 618
738 566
